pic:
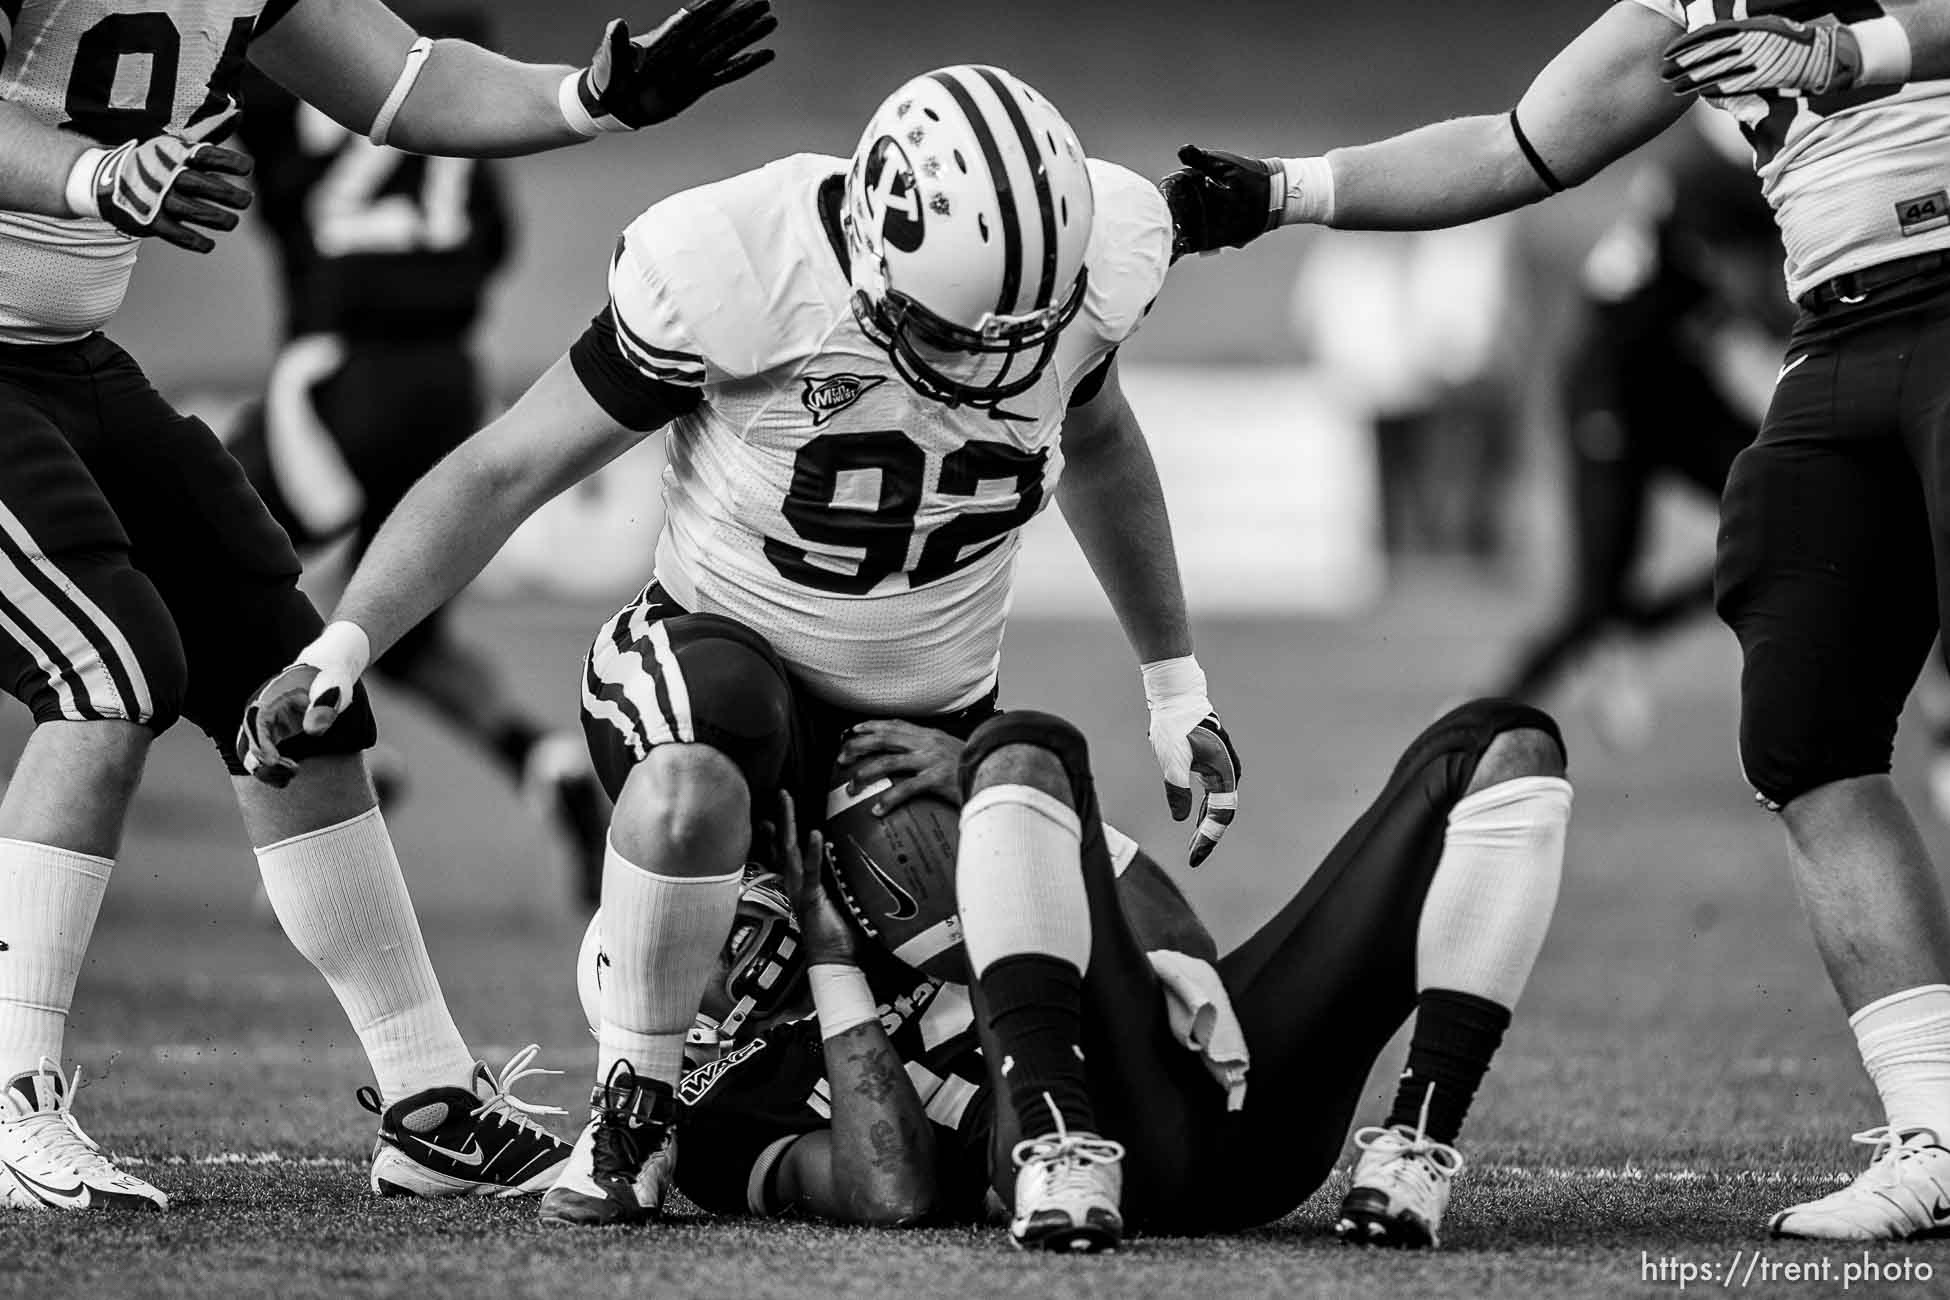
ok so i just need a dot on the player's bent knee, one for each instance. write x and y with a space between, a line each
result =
1521 752
139 674
1025 747
1783 765
685 808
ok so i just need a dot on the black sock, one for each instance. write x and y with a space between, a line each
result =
1035 1010
1455 1036
513 740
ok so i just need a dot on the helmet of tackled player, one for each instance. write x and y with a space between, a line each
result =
968 211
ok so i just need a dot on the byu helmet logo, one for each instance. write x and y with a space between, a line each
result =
893 196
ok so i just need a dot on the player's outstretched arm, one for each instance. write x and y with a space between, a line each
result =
875 1165
1111 498
439 537
1598 100
364 67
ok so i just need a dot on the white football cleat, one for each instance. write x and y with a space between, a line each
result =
1902 1195
481 1141
1401 1189
1068 1190
48 1163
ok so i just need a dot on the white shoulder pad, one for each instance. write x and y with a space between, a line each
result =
1130 250
713 284
1128 257
1674 10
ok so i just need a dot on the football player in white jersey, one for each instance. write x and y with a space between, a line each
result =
1834 564
141 579
873 372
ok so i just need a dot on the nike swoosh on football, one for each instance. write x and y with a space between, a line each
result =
905 908
1789 368
64 1198
1942 1210
470 1158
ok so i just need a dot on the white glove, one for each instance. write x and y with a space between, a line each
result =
303 700
1751 55
1187 738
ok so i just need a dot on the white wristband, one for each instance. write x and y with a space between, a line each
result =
1166 680
1309 192
1885 52
342 647
81 184
568 97
841 998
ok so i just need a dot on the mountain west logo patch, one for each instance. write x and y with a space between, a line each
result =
826 396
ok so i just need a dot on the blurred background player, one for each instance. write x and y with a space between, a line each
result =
385 260
1682 320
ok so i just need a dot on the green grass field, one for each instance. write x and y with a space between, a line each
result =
1678 1070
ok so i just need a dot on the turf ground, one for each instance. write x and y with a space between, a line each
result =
1678 1070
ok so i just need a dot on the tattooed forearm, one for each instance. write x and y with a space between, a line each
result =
877 1074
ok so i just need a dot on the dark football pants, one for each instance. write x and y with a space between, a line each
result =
140 577
393 409
1319 991
1833 566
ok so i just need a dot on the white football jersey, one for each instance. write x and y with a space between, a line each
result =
112 71
869 533
1856 178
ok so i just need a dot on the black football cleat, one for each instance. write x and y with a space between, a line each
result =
455 1142
620 1168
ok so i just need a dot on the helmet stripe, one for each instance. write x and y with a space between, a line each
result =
1004 193
1032 151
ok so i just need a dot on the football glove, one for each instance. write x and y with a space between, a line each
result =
1222 200
165 186
1749 55
304 700
1188 739
637 81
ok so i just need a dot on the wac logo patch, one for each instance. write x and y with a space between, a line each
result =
827 395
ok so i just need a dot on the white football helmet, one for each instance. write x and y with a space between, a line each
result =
968 211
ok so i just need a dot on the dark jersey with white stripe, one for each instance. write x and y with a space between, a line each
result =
372 242
739 1114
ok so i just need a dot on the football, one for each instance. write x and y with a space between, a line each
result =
896 875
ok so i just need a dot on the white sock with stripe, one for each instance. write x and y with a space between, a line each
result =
51 898
339 895
662 935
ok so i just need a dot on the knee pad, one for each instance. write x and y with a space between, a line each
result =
1043 731
1784 755
1460 736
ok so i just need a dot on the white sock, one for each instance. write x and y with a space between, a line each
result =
1019 878
340 897
1905 1042
663 935
1490 904
51 898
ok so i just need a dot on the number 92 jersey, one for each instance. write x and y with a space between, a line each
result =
1855 178
112 71
869 533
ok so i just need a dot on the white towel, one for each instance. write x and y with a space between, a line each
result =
1203 1019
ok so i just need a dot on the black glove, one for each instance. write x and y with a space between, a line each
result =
634 82
167 184
1221 200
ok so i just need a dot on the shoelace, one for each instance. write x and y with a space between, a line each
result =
1429 1157
1063 1162
1891 1149
60 1134
510 1109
